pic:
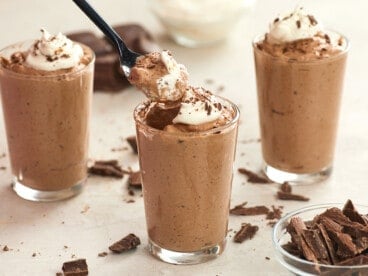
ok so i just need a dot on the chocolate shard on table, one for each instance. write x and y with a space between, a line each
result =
289 196
246 232
129 242
75 268
332 238
240 210
254 177
108 73
135 179
107 168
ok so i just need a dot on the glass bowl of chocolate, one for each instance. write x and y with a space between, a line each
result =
325 239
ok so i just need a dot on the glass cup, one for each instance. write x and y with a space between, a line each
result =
47 127
186 180
197 23
299 104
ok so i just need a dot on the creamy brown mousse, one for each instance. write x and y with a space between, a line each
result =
149 72
299 90
47 120
186 150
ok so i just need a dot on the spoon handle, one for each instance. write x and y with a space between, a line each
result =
102 25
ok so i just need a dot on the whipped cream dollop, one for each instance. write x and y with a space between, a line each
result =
293 26
54 52
198 107
167 85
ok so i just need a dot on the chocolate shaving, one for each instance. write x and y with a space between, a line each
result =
328 40
247 231
288 196
127 243
285 187
135 179
109 168
75 268
240 210
102 254
276 213
298 24
132 141
253 177
312 20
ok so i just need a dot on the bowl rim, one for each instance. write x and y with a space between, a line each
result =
287 216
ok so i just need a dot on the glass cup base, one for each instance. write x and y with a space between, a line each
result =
196 257
280 176
46 196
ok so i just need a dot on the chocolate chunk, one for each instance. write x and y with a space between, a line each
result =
127 243
159 118
247 231
315 241
107 168
75 268
108 75
240 210
276 213
253 177
288 196
296 228
285 187
292 248
135 179
6 248
345 246
102 254
350 211
132 141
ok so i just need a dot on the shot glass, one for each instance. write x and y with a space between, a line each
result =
186 180
298 104
47 128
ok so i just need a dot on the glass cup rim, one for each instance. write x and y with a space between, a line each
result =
259 37
51 76
289 215
234 120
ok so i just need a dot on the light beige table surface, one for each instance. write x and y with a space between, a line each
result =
89 223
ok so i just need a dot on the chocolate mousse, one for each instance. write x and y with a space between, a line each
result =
186 141
46 88
300 68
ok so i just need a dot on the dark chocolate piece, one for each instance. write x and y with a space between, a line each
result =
135 179
247 231
276 213
108 75
240 210
75 268
102 254
159 118
132 141
295 229
315 241
253 177
285 187
127 243
107 168
288 196
350 211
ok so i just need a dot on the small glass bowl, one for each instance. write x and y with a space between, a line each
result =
303 267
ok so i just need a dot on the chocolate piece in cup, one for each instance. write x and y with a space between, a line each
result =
46 89
299 81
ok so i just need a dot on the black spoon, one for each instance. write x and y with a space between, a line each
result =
127 56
